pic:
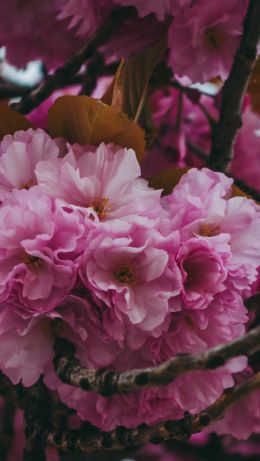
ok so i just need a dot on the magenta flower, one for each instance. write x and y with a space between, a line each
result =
246 161
104 181
207 35
39 242
86 15
128 275
25 348
203 272
34 28
19 155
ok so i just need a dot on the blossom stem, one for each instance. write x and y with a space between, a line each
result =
179 429
108 382
65 73
230 120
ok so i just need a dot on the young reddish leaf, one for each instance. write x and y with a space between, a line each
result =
237 192
11 121
167 179
128 88
114 93
84 120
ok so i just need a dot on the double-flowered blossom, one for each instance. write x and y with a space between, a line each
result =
204 32
90 252
35 28
19 155
207 33
39 243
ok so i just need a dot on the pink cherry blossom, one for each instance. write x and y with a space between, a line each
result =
203 272
39 242
128 274
235 425
246 162
105 180
26 348
87 15
19 155
34 29
207 35
201 329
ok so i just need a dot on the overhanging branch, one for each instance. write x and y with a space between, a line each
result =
108 382
76 440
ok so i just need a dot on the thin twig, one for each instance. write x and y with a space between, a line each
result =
65 73
197 151
180 429
108 382
230 120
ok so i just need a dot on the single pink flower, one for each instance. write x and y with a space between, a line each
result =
206 34
19 155
203 272
26 347
128 274
246 161
34 28
86 15
104 180
39 243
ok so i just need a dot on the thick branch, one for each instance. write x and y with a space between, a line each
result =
64 74
107 382
179 430
230 120
6 428
38 425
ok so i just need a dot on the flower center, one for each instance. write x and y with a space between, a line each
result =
33 261
52 328
101 207
212 39
29 184
125 275
209 230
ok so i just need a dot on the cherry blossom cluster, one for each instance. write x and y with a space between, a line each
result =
90 252
204 32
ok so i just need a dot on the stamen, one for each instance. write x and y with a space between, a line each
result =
125 275
209 230
33 261
101 207
212 39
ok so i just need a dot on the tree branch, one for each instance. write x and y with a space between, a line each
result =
37 418
6 428
230 121
180 429
64 74
108 382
